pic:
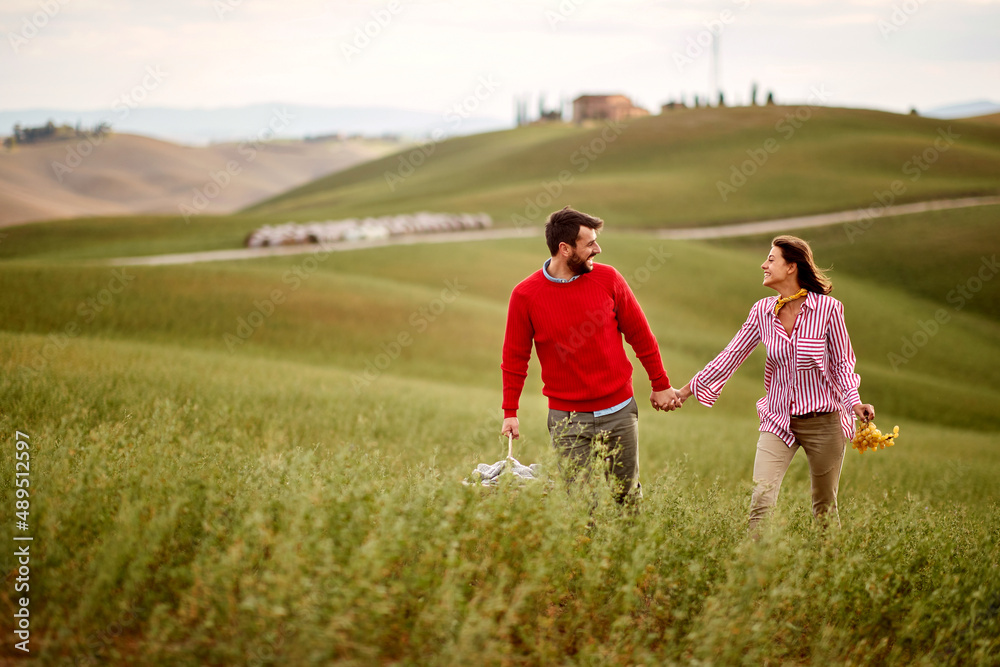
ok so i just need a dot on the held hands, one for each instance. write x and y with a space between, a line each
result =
668 399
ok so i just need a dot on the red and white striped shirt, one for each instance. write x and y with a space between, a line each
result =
810 371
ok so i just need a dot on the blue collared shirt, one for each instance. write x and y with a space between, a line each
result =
545 270
613 409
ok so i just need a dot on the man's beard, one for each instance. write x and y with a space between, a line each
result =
578 265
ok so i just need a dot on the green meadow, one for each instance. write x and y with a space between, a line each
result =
665 171
261 462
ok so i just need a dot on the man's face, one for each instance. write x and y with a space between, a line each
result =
582 259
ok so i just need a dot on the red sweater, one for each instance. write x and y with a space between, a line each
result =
577 329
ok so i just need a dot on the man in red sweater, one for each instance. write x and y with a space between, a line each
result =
576 312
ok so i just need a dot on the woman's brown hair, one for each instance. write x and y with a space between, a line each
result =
796 251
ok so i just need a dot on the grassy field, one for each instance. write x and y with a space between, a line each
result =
665 171
927 255
260 462
202 501
656 172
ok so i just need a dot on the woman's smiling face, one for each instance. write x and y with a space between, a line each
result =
776 269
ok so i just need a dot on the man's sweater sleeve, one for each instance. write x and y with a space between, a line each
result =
516 352
634 326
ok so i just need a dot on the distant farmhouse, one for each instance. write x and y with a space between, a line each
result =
605 107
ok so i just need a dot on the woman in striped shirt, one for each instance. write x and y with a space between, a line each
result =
812 389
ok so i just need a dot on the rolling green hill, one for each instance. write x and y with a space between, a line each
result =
259 462
933 255
215 475
657 172
665 171
340 311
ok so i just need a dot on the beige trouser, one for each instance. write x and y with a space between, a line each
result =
823 441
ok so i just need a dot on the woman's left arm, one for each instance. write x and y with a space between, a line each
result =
842 361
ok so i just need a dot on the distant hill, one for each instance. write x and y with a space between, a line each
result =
965 110
682 168
203 126
988 119
124 174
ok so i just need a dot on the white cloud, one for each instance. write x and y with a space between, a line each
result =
432 51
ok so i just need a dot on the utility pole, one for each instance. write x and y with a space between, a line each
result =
715 64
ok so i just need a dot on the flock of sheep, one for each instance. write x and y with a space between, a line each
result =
332 231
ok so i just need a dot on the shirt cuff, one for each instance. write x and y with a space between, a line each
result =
851 399
704 396
507 414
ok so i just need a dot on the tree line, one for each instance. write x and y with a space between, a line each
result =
52 132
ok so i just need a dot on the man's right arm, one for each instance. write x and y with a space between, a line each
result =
516 353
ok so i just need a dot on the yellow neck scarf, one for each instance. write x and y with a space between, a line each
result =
787 299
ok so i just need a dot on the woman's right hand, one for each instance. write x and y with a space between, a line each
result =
865 412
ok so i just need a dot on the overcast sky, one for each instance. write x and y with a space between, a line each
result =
429 55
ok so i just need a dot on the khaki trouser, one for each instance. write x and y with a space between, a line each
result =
575 434
823 441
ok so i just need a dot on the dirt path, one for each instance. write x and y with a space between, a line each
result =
821 220
281 251
694 233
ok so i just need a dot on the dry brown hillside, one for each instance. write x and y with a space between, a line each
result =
123 174
988 119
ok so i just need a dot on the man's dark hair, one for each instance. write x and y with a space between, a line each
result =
563 226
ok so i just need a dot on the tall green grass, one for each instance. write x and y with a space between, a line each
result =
197 509
198 502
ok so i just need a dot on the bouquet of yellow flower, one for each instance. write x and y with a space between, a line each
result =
867 436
